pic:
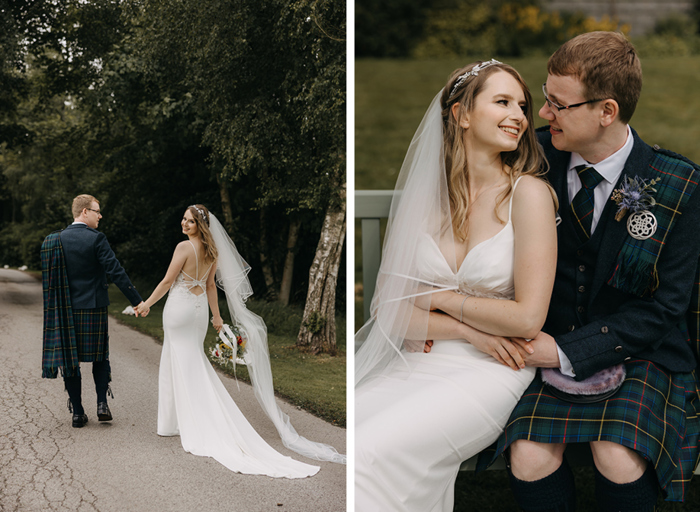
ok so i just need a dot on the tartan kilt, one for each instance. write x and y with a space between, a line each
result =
655 412
91 334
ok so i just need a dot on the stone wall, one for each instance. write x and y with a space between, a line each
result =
641 15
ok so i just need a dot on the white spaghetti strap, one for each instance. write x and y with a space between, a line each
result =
196 261
512 195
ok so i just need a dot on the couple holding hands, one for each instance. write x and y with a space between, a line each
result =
192 401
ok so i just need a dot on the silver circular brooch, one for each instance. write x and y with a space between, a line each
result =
642 225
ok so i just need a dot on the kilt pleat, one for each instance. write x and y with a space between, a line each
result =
92 335
655 413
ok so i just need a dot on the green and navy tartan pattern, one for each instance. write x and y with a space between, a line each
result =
59 345
644 415
583 202
635 268
91 334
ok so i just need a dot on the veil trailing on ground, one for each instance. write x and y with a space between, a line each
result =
419 216
232 278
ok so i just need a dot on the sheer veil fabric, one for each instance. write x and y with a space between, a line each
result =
419 212
232 278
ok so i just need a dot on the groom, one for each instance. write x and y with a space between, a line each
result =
75 265
622 294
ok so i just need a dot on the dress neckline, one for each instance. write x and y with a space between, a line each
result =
466 256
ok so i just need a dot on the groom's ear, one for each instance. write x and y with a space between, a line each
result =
461 118
610 112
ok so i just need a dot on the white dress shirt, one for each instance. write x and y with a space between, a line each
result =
610 169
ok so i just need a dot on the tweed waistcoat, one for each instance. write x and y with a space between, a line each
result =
576 261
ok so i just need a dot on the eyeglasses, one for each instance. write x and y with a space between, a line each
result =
562 107
96 211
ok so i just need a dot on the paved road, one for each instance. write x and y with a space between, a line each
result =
45 464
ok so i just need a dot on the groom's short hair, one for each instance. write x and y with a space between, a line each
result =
607 65
80 202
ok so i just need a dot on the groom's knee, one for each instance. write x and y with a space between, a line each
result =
617 463
532 461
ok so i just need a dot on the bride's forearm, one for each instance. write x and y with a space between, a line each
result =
213 299
434 325
157 294
501 317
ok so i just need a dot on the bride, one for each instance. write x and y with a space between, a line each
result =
192 401
468 264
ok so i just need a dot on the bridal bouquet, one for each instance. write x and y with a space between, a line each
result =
232 346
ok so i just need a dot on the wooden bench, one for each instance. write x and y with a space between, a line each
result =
371 206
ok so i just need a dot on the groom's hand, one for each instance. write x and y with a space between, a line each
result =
544 354
142 310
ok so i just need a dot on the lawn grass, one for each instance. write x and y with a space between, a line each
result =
314 383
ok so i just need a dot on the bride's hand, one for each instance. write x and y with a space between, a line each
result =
218 323
500 348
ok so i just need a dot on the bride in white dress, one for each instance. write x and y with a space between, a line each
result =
468 264
192 401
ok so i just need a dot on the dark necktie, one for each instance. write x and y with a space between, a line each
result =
582 205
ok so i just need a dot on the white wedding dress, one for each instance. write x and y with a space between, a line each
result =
416 423
192 401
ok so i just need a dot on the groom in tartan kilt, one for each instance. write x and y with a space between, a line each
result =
75 264
625 293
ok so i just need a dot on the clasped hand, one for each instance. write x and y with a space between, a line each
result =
142 309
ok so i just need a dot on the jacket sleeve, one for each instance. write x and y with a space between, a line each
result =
114 270
640 326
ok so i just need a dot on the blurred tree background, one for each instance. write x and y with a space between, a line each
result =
151 106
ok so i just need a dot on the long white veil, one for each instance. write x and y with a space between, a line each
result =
232 278
419 216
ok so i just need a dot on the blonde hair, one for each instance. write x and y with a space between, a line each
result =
607 65
81 202
527 160
202 221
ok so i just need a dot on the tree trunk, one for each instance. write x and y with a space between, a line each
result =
286 286
265 264
317 333
226 209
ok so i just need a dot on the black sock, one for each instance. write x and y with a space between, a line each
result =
102 374
553 493
637 496
73 386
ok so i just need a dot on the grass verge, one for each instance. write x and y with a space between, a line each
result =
314 383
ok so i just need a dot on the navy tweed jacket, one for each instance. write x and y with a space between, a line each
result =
620 325
89 261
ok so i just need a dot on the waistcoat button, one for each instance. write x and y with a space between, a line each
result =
571 328
604 330
580 309
582 289
582 268
618 349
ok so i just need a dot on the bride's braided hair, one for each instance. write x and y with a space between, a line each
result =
201 217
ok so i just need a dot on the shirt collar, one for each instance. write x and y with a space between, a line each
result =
78 222
610 168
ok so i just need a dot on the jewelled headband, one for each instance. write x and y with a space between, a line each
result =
472 72
201 212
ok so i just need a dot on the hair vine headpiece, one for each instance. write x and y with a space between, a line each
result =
201 212
472 72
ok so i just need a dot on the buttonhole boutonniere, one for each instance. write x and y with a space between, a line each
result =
635 195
